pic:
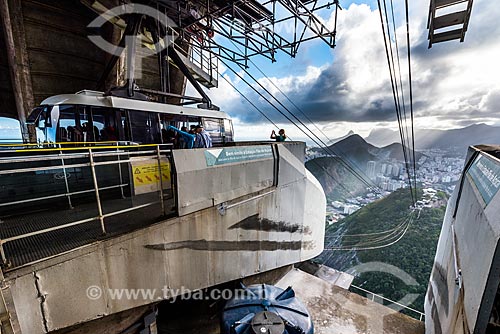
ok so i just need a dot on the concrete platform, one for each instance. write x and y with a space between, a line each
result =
338 311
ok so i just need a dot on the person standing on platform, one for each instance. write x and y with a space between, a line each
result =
203 139
280 137
187 138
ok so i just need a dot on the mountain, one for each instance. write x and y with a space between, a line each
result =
336 140
456 139
336 180
357 150
332 173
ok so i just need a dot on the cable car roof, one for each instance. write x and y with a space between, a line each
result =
98 99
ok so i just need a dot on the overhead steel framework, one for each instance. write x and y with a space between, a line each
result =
239 30
203 31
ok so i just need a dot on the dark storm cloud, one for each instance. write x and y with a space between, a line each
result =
328 99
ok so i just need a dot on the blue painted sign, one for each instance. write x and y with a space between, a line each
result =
485 172
221 156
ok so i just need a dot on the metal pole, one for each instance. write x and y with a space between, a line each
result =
162 203
120 170
96 187
2 253
66 179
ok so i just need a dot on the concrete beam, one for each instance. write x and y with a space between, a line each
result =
11 15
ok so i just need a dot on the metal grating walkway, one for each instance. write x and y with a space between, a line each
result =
22 251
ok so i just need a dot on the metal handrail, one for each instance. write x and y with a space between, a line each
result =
420 314
76 148
154 153
32 158
204 59
63 143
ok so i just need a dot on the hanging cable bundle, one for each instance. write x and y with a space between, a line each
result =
407 140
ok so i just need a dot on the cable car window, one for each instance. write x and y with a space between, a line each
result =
145 127
36 115
125 126
228 127
212 125
228 130
104 125
192 122
67 124
98 121
40 126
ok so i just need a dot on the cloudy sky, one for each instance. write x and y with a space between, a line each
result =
348 88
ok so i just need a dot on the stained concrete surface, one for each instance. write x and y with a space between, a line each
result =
337 311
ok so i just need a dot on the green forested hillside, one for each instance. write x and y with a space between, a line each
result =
330 172
414 253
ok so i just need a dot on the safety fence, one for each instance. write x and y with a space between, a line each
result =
389 303
64 194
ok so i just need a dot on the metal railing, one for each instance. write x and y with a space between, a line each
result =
66 145
374 297
204 59
71 159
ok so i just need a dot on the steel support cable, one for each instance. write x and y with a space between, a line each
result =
394 96
399 72
324 147
369 241
392 71
411 93
360 246
347 166
375 241
404 142
411 144
277 127
249 101
392 63
395 231
375 233
377 247
379 239
382 246
342 156
403 127
282 113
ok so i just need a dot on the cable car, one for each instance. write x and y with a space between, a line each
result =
90 116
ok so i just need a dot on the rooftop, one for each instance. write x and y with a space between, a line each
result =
338 311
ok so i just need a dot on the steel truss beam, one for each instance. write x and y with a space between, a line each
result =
251 26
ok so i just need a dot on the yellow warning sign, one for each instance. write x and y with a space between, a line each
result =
147 174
